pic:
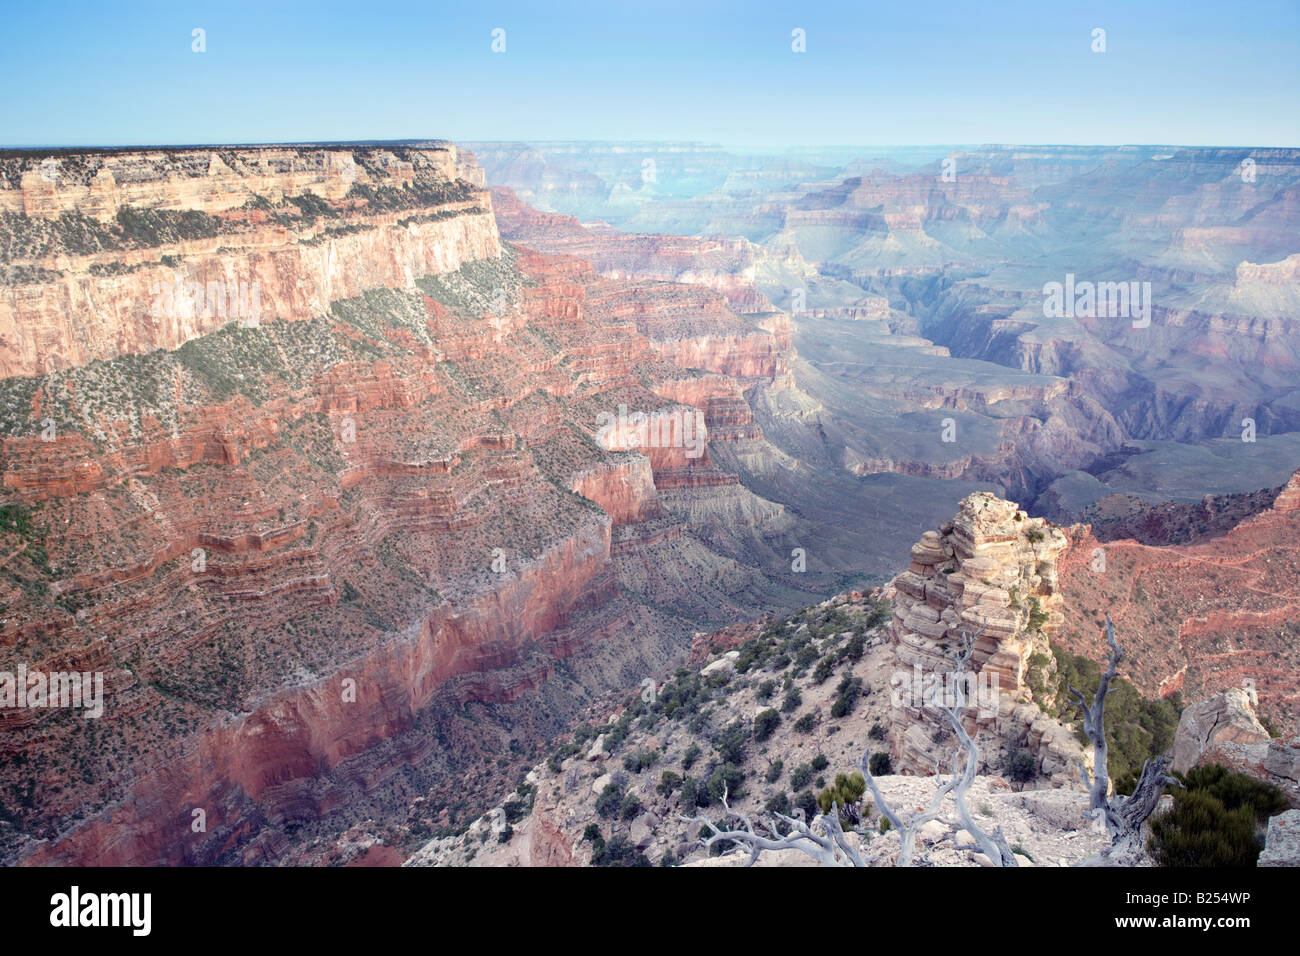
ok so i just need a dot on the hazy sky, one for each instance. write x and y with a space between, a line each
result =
924 72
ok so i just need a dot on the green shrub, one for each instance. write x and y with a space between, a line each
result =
774 771
1136 728
881 611
668 782
630 808
561 754
732 744
820 762
641 760
806 723
1217 820
849 689
1037 616
692 754
801 776
778 804
728 778
620 852
515 810
1200 831
846 793
880 765
1022 767
792 700
607 804
765 724
688 800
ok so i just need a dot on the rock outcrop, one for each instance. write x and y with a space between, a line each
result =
1224 719
1282 841
127 252
991 572
1224 730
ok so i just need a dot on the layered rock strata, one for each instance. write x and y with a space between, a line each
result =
118 253
1215 613
989 575
323 560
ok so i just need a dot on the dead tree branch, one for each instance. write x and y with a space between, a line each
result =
831 848
1123 816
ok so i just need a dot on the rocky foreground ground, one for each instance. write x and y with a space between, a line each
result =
564 796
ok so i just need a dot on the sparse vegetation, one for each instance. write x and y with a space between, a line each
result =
1136 727
1217 819
846 793
765 723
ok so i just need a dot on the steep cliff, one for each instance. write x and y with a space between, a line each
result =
116 253
989 576
1202 616
333 555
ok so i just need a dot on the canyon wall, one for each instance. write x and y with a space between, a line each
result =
320 556
1214 611
131 252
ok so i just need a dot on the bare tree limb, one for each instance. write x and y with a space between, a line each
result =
824 839
827 850
995 848
1123 816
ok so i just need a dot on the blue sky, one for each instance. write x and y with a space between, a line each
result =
925 72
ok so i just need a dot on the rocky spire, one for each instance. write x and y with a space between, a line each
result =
991 570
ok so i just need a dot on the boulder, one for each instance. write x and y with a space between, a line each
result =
933 831
1226 718
642 834
723 665
1282 842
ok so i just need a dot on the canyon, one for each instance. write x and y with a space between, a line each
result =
348 561
332 558
916 280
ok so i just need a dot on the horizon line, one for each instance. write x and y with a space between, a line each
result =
436 141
